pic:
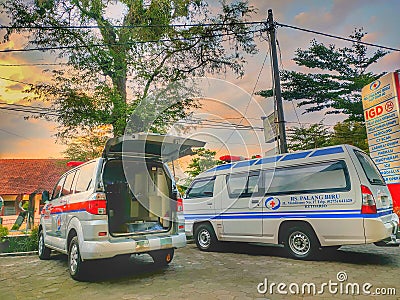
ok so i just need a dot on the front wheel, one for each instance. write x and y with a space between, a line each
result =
205 238
75 263
301 243
43 251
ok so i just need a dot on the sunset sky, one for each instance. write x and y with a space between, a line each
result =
34 138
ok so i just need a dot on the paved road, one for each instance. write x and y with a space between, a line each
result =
232 273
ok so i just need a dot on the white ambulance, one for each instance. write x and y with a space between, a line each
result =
123 203
304 200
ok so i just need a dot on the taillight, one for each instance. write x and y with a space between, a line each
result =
368 201
179 205
96 204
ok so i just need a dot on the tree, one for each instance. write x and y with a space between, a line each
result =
116 61
352 133
335 79
204 159
311 137
317 135
88 144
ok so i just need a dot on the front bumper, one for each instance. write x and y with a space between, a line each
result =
117 246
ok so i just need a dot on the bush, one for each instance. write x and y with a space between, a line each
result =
23 243
3 233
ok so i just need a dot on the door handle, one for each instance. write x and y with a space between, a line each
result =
209 203
254 203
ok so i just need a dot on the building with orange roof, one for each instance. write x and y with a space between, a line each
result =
21 179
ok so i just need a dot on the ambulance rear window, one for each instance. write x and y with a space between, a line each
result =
370 169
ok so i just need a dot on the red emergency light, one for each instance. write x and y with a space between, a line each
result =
230 158
74 163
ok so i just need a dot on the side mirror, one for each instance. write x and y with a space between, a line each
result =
45 196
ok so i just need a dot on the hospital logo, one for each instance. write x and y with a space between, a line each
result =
375 85
272 203
58 220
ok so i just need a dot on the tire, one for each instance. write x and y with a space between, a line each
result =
75 264
43 251
162 257
301 243
205 238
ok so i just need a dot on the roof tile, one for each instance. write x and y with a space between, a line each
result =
24 176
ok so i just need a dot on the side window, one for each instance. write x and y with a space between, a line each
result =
58 188
67 189
201 188
85 179
243 185
370 169
326 176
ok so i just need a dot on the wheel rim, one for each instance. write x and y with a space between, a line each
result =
40 246
73 258
204 238
299 243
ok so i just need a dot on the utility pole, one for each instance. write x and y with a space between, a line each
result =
277 84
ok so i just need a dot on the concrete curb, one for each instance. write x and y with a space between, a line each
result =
18 254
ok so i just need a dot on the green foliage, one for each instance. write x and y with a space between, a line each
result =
104 84
335 79
311 137
204 159
352 133
23 243
317 136
87 145
3 232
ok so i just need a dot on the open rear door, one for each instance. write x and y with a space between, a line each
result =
139 189
164 147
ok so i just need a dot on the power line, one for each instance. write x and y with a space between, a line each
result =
27 106
131 26
337 37
248 103
283 68
122 44
17 81
12 133
32 65
16 109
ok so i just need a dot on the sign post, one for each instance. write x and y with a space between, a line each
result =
382 115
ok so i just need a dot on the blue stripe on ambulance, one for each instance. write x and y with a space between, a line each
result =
274 159
314 215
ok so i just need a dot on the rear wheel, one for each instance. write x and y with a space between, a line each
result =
205 237
301 242
162 257
43 251
75 263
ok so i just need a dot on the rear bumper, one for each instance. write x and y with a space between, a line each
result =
376 230
114 247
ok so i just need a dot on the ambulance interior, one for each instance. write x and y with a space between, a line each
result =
140 204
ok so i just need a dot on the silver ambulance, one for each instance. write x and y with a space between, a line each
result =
307 200
123 203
